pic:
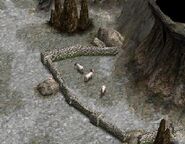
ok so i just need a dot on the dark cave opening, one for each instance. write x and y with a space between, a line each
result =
174 9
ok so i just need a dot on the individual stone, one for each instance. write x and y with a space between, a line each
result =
110 37
84 21
69 16
147 138
48 87
97 42
132 137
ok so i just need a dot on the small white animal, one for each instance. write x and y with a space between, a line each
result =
79 68
103 90
89 75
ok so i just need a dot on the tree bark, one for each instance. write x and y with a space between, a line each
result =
163 134
56 14
69 16
64 18
84 21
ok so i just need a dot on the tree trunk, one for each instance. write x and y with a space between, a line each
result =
84 21
56 14
69 16
163 134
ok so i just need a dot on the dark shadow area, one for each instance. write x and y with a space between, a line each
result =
174 9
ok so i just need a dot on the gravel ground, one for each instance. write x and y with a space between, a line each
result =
25 116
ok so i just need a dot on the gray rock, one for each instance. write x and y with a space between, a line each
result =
148 138
97 42
48 87
110 37
132 137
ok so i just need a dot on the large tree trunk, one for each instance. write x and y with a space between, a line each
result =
64 18
56 14
69 16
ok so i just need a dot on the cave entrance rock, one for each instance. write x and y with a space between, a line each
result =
174 9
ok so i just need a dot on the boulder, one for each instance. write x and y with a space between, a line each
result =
132 137
48 87
110 37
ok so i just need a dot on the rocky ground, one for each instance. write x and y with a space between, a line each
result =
26 117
